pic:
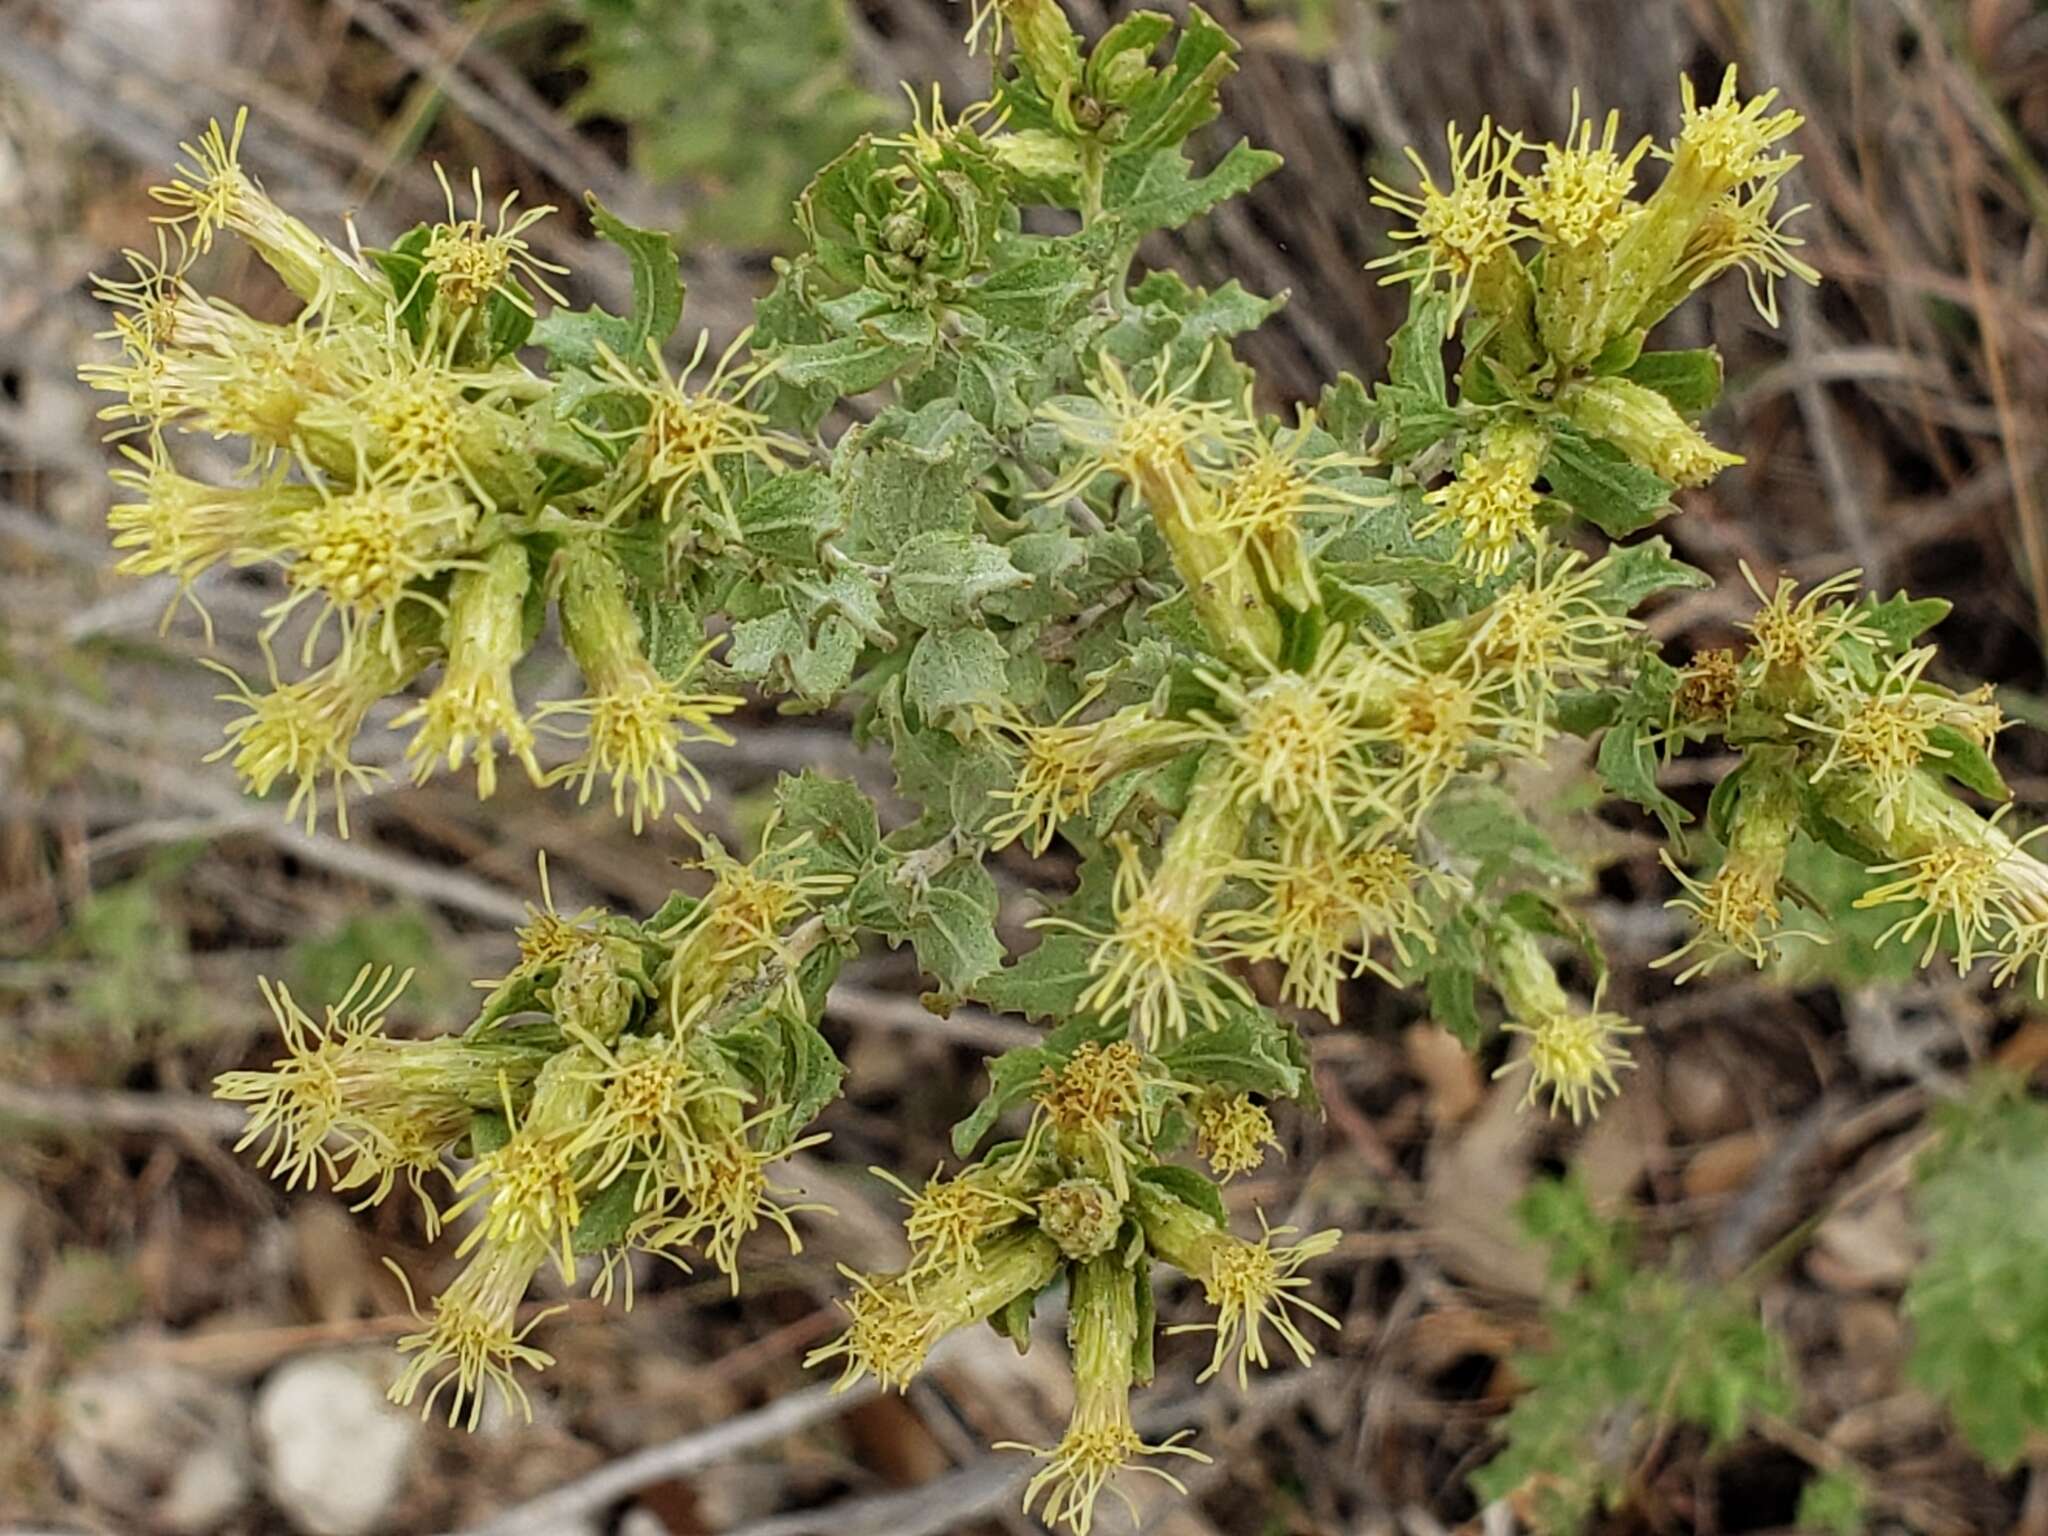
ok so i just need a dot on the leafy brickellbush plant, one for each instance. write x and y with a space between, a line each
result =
1261 675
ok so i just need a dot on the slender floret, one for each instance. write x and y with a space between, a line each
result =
1100 1441
694 439
1492 504
1456 229
473 1342
469 261
1581 193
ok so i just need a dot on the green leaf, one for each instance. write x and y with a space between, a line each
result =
1481 823
1047 983
1597 481
572 339
1632 573
941 579
1979 1300
1628 759
1690 379
953 927
1967 763
836 815
955 669
789 516
847 365
607 1215
1036 294
1415 355
909 473
1164 196
1453 993
1902 619
1246 1053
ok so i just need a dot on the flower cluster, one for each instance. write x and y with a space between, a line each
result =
1085 1197
1845 737
607 1099
413 482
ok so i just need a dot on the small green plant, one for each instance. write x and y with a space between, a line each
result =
1635 1352
1262 675
1979 1300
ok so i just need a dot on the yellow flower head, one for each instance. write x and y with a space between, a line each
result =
1100 1443
364 550
1232 1133
1454 230
474 706
178 526
1061 766
1547 633
1293 741
1152 967
213 193
473 1342
1728 138
1880 738
531 1188
634 735
1573 1056
1492 503
1959 891
1736 913
1436 720
470 262
1103 1334
1582 192
1264 494
1151 437
304 731
727 1195
1745 230
951 1219
1253 1286
306 1094
1795 637
888 1334
752 901
1709 688
693 437
1323 908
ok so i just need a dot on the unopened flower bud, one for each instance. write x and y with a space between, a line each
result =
1082 1216
1647 427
